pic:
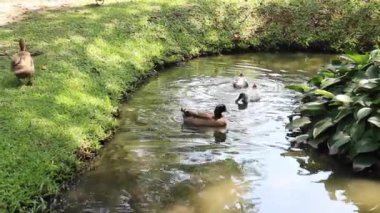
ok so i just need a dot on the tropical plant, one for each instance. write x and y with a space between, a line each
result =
340 109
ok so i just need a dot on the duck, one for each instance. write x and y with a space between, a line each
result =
22 64
240 82
206 119
251 95
242 101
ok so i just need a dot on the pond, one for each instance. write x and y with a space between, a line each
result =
155 164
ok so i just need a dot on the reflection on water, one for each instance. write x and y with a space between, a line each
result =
364 193
220 134
156 164
341 184
212 200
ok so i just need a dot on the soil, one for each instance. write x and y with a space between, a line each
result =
15 10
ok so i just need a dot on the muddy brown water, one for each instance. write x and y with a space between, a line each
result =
155 164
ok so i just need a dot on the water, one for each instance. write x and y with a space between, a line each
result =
154 164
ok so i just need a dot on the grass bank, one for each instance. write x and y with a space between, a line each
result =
92 55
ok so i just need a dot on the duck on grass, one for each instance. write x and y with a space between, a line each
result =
22 64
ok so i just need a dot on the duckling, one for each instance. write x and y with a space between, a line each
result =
251 95
240 82
22 63
206 119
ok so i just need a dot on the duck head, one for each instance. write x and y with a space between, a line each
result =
22 45
219 109
243 97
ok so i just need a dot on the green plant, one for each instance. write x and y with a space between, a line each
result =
340 109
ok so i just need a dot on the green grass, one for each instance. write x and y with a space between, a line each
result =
94 54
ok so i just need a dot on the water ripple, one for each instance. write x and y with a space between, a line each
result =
160 164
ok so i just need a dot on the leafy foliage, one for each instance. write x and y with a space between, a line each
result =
342 109
329 25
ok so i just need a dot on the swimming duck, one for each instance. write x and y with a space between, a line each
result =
206 119
240 82
243 97
22 63
252 95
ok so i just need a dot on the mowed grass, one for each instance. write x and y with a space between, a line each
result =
92 55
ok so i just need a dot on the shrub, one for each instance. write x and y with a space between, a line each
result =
340 109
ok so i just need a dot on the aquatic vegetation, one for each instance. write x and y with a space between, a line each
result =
340 109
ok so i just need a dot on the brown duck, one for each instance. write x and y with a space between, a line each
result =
215 119
22 63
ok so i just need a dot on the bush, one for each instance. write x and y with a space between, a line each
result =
340 109
332 25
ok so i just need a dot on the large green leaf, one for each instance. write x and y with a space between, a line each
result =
318 141
356 58
298 123
313 108
329 81
375 56
357 130
363 112
301 138
368 83
350 87
376 101
363 100
328 73
343 98
324 93
316 80
363 161
298 87
336 62
364 145
343 112
375 120
372 71
338 140
347 69
346 123
322 126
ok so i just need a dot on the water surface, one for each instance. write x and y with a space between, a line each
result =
155 164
